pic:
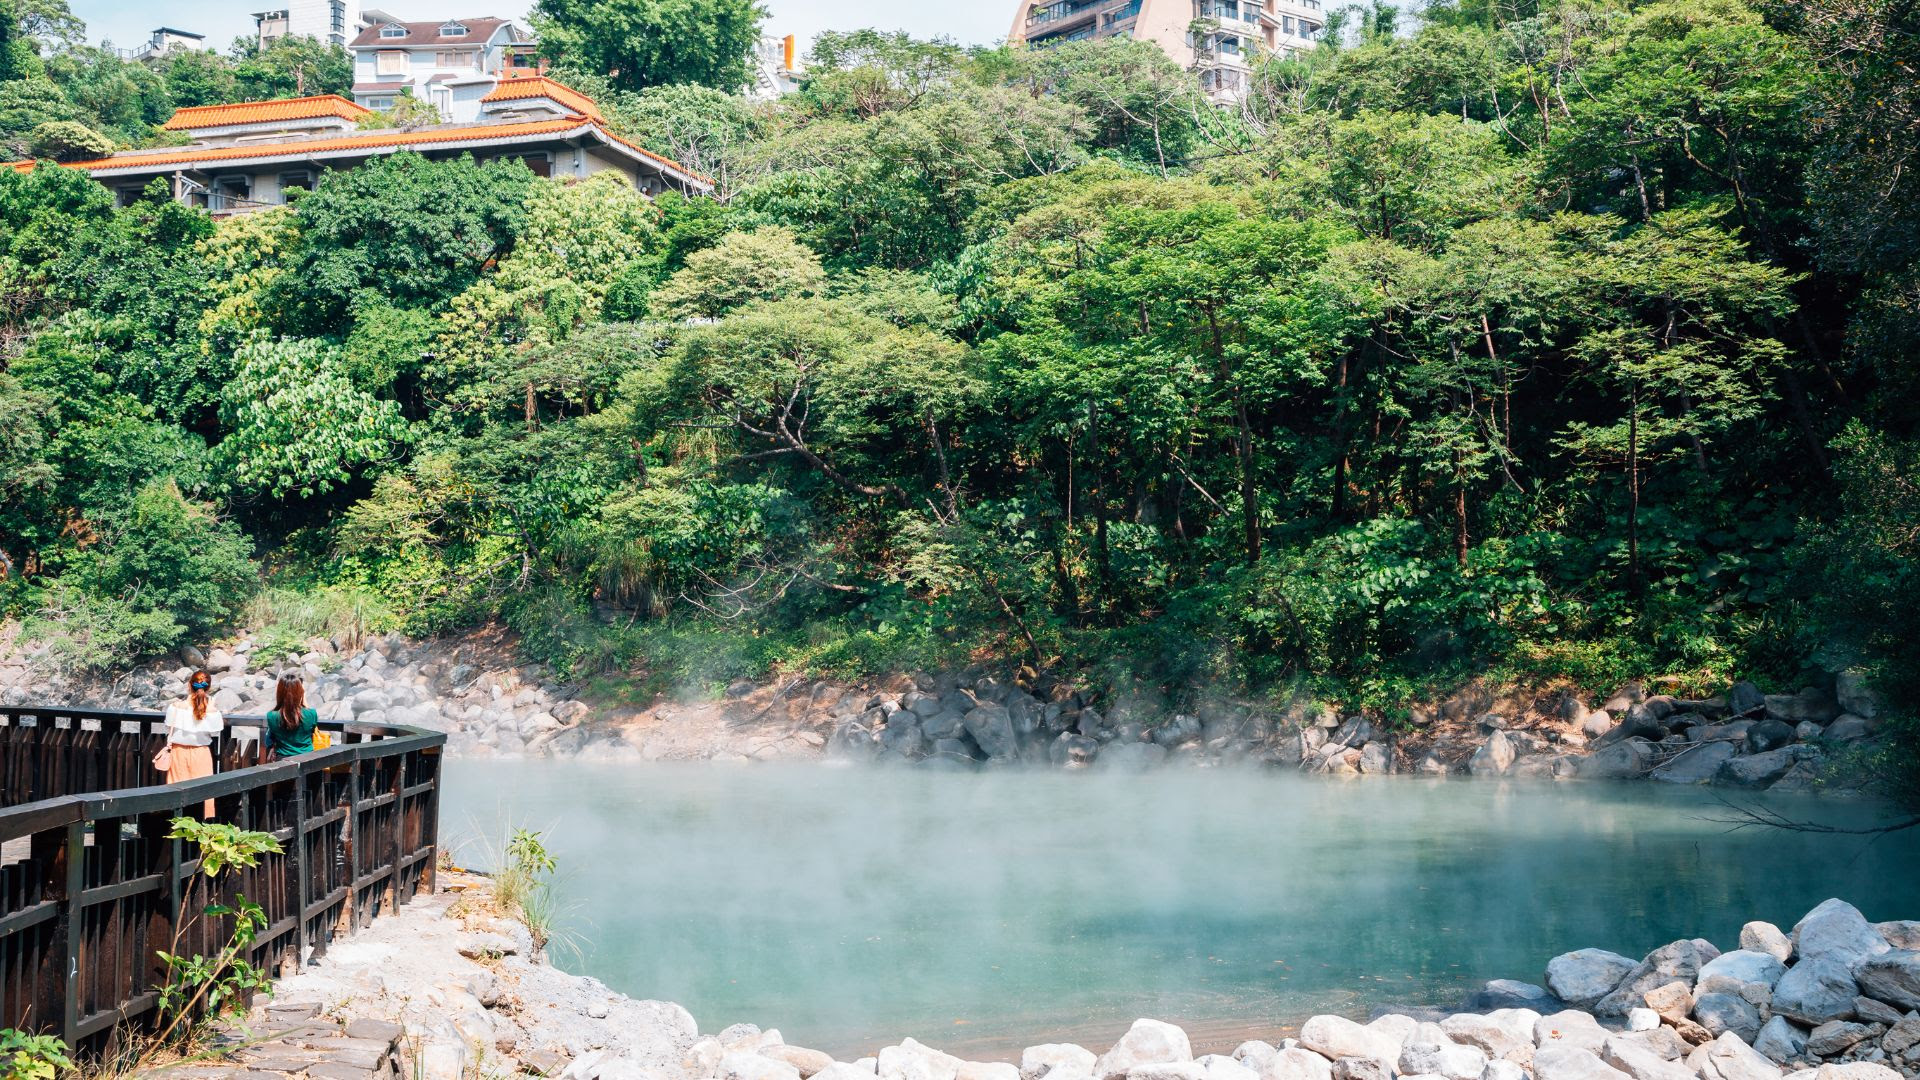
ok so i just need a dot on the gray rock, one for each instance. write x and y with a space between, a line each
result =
1221 1067
1679 960
1254 1053
1892 977
1722 1012
1780 1040
992 729
1442 1057
1072 749
1764 937
1836 1037
1745 973
1855 696
1903 1037
1659 1038
1570 1027
1697 764
1362 1069
945 724
1147 1042
1900 935
1165 1070
1745 700
1835 929
1573 1063
1294 1063
1336 1037
1640 1061
1811 705
1493 757
745 1065
1376 758
1848 728
1504 1070
1503 1033
902 736
1728 1058
1868 1011
1621 761
1512 994
1059 1061
1855 1070
1759 770
1596 723
914 1061
1768 735
1815 990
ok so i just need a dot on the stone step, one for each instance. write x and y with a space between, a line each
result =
293 1042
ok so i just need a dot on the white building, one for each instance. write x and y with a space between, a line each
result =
331 22
451 65
165 41
1216 39
776 69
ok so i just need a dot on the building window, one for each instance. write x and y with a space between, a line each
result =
127 196
379 104
291 180
392 31
390 62
339 8
539 164
453 29
454 58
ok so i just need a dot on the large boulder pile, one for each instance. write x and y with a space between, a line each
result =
1836 992
1742 738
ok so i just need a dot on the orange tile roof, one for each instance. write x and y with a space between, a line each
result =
371 140
263 112
22 166
514 87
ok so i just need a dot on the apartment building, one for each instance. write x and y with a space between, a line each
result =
1216 39
452 65
331 22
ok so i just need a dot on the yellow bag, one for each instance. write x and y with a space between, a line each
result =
322 740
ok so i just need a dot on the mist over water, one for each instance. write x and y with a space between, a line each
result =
982 913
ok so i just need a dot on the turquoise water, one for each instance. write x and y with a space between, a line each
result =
982 913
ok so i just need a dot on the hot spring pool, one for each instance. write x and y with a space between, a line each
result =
982 913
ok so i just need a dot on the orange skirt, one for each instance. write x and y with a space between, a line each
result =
190 763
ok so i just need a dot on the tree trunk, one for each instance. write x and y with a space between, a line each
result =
1633 490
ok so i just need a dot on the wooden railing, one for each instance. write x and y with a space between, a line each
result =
91 886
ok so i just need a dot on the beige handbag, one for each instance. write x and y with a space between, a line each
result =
164 759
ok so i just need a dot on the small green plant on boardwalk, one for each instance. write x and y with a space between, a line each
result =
204 988
523 886
32 1057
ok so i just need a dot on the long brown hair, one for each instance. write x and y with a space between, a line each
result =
289 697
197 696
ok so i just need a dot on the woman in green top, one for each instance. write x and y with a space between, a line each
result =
289 727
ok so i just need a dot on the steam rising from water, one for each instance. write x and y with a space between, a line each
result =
982 913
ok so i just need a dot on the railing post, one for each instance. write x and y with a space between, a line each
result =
399 819
73 916
299 856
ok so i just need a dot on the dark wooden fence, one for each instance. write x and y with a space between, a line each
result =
90 885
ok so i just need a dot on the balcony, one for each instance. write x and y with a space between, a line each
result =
1061 15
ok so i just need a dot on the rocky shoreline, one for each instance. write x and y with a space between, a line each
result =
490 704
465 992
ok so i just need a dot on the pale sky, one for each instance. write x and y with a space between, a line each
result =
983 22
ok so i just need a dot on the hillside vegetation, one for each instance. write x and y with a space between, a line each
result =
1572 341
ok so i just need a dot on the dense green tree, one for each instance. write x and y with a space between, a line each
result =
742 268
411 231
642 43
166 554
292 66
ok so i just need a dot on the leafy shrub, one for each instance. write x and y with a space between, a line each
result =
86 633
173 557
31 1057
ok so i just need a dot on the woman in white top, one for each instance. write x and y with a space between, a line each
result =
191 726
